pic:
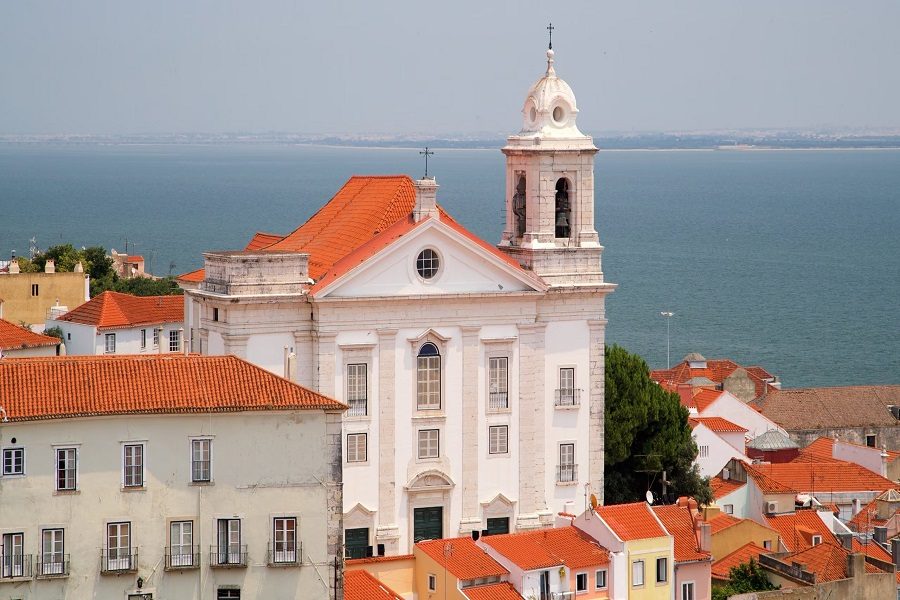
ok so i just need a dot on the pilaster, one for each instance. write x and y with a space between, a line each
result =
303 349
234 344
471 519
323 378
597 374
532 426
387 531
335 498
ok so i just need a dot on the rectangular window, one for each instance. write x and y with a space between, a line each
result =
285 540
134 465
870 440
229 542
566 392
66 465
181 544
13 553
14 461
34 289
662 570
201 460
767 544
215 314
53 558
566 472
429 443
581 584
174 340
155 337
356 447
118 547
600 579
728 509
110 347
637 573
498 439
816 540
357 390
498 381
428 381
228 594
704 452
432 582
143 339
687 590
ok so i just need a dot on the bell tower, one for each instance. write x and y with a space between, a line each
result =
550 188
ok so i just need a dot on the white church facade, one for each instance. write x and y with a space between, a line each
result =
473 372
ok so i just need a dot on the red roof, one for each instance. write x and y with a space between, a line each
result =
719 425
765 483
550 547
797 529
835 476
80 386
823 448
633 521
721 521
112 310
261 240
721 487
463 559
717 370
378 559
704 397
361 585
496 591
721 569
827 560
13 337
135 258
192 276
679 522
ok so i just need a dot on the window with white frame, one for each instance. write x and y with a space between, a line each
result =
53 558
498 438
118 547
728 509
66 468
284 536
662 570
432 582
156 331
581 583
229 549
498 382
428 263
566 394
816 540
14 461
566 470
174 340
429 443
428 378
356 447
13 553
110 347
133 465
687 590
704 452
143 339
767 544
181 544
600 579
637 573
201 460
357 389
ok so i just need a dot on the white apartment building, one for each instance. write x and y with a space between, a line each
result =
474 373
166 477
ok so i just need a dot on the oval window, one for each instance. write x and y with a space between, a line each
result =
558 114
532 115
427 263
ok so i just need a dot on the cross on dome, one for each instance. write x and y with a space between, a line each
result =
550 109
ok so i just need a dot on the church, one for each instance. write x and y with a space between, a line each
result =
473 371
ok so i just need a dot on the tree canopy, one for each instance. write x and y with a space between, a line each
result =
742 579
646 433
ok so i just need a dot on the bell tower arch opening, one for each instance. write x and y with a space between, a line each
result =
519 206
563 209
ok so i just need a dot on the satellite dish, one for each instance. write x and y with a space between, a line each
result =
649 497
594 502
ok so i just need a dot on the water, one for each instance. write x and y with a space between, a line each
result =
789 260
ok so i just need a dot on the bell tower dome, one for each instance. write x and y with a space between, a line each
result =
550 188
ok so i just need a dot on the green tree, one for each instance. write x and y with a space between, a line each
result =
647 432
56 332
96 263
742 579
144 286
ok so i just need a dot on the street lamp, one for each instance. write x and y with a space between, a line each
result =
668 315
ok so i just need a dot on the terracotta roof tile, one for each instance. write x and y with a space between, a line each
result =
721 521
633 521
192 276
835 476
13 337
113 310
549 547
716 371
796 529
721 569
261 240
79 386
827 560
361 585
867 518
831 407
378 559
765 483
719 425
679 522
496 591
703 398
465 560
721 487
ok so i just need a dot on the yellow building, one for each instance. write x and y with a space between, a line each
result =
28 297
730 533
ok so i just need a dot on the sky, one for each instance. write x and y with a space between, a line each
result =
452 67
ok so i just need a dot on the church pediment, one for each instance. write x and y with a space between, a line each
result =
359 509
430 480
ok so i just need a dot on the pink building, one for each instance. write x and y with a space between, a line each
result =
693 561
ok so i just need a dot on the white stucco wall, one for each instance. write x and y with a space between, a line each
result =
730 408
83 339
719 452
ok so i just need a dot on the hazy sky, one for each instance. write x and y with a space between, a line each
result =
123 66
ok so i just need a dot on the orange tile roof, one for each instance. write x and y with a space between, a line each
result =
13 337
836 476
721 521
496 591
867 518
823 448
79 386
361 585
465 559
112 310
704 397
831 407
135 258
378 559
261 240
721 488
719 425
192 276
633 521
827 560
679 522
765 483
796 529
717 370
550 547
721 569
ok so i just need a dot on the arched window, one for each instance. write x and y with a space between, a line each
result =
519 207
428 378
563 209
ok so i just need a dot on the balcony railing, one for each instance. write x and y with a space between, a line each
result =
15 565
231 556
283 556
182 557
566 473
562 595
123 560
357 408
498 401
568 397
51 565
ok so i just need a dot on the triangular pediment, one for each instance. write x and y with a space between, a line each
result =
498 500
359 509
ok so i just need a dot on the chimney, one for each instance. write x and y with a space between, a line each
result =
856 565
79 268
13 266
426 199
284 363
705 537
880 535
895 552
846 540
884 460
50 266
711 512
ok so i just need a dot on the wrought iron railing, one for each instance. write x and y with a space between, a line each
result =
228 556
182 557
358 408
284 556
121 560
15 565
566 473
53 565
568 397
498 401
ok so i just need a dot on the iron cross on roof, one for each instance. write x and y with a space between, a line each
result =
550 28
426 154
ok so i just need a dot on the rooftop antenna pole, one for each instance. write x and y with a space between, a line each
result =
668 315
426 154
550 28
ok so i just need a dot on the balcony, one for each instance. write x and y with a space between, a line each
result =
231 556
358 408
567 474
15 566
181 558
567 397
52 565
121 560
498 401
284 556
